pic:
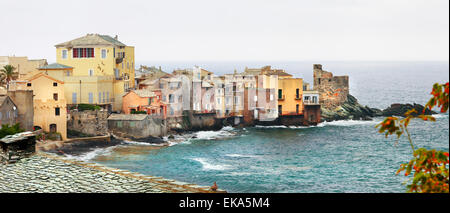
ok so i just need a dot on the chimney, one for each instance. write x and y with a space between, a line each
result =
116 37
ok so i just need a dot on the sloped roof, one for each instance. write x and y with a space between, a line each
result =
3 98
144 93
54 66
34 75
92 40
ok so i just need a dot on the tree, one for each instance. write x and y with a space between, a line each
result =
430 167
8 73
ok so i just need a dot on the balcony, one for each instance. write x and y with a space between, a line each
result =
119 60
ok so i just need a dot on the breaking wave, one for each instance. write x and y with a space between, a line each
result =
208 166
91 154
225 132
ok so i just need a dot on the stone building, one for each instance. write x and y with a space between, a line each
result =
24 102
8 111
50 112
333 90
136 126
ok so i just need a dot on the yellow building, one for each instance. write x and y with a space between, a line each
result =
50 113
103 70
290 91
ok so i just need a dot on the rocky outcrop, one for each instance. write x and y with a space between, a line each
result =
401 109
352 110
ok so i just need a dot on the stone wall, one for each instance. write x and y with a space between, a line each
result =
137 126
24 102
333 90
89 122
201 121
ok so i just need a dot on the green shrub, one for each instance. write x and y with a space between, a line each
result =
82 107
138 112
10 130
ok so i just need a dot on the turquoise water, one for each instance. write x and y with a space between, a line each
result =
340 156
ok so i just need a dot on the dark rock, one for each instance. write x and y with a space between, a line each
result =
171 137
401 109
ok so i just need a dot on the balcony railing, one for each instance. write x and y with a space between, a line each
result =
310 102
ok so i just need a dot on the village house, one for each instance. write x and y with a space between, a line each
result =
50 112
103 70
22 64
144 100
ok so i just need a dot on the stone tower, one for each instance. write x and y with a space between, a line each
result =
333 90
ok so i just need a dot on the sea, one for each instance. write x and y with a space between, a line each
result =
332 157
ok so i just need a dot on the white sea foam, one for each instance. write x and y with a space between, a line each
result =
208 166
441 115
241 156
208 135
142 143
348 123
92 154
271 127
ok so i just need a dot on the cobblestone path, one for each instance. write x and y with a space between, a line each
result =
49 173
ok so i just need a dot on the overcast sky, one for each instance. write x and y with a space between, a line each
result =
202 30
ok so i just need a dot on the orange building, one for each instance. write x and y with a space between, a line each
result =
144 100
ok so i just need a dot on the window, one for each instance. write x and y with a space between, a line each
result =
67 73
83 52
280 94
114 52
280 109
103 53
28 84
107 96
255 99
57 111
170 98
74 98
271 97
99 97
218 100
297 93
91 98
64 54
297 108
119 123
128 65
55 84
91 72
103 97
150 101
180 99
55 96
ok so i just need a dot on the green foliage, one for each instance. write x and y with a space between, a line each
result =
138 112
430 171
430 166
10 130
83 107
